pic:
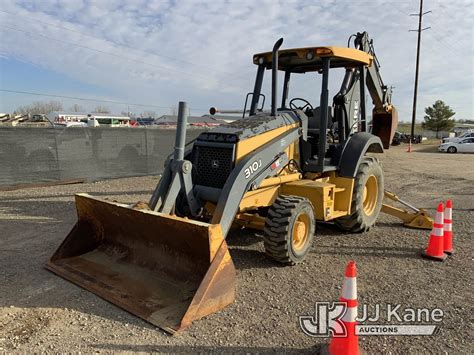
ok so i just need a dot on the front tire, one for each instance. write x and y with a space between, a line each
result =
452 150
367 198
289 229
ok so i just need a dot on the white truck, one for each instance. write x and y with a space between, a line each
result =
467 134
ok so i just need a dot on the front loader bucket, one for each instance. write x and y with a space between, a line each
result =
165 269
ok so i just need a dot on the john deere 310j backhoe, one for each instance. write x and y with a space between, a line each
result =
279 171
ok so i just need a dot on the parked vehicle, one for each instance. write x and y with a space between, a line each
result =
468 134
400 137
145 121
465 145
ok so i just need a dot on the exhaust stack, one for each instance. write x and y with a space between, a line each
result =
180 140
275 75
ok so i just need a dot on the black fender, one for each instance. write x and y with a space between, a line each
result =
355 149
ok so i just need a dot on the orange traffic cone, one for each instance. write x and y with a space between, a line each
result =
448 228
435 249
348 345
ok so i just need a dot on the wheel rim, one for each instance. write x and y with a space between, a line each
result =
370 195
301 230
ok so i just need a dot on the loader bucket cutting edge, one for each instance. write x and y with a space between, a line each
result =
165 269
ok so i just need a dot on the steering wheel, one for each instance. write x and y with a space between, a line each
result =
306 104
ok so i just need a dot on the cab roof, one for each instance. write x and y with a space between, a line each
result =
308 59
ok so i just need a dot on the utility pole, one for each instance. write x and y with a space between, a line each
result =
415 94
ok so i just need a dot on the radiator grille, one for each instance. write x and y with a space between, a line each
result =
212 165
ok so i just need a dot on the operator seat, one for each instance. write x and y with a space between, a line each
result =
314 121
314 127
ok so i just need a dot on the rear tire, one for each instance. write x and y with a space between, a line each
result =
289 229
452 150
367 198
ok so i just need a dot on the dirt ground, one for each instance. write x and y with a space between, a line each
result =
43 313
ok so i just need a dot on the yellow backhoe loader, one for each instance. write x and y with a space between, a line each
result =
280 171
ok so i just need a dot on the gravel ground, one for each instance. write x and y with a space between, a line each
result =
43 313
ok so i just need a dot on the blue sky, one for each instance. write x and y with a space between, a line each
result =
158 52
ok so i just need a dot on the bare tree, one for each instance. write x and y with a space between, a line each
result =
76 108
102 109
40 107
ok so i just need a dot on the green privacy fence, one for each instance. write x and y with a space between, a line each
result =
39 155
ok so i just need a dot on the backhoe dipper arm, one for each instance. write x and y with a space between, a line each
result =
381 94
384 114
350 110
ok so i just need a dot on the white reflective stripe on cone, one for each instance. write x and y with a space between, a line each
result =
448 227
349 288
439 218
437 232
350 315
448 213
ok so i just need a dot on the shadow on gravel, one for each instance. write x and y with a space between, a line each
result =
328 228
252 259
182 349
430 149
243 237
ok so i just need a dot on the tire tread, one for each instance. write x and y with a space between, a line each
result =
277 228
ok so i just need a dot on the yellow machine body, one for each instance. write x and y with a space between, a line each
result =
330 195
172 270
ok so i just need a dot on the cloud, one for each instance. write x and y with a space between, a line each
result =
205 47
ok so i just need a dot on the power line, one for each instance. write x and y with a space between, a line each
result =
437 38
115 55
91 99
123 45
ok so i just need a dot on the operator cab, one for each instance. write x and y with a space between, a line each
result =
337 119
